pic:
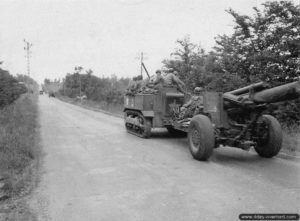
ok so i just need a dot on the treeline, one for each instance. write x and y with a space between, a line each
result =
264 47
83 82
12 87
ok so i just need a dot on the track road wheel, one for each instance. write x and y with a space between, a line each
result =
201 137
141 126
125 116
146 130
270 141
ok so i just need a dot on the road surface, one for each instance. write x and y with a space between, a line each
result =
93 170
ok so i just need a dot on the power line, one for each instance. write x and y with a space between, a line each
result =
27 48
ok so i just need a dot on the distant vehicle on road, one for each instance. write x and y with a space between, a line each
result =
51 94
41 92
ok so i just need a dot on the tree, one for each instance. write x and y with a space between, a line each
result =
265 46
46 81
196 67
10 88
106 89
187 61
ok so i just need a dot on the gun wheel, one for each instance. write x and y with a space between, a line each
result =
270 137
201 137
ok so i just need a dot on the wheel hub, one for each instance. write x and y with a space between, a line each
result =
196 138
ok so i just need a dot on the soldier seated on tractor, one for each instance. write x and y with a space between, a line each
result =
194 105
138 85
168 80
134 85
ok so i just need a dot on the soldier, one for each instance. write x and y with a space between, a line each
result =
194 105
169 80
147 86
134 85
159 80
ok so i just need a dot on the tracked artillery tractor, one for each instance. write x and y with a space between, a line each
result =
237 118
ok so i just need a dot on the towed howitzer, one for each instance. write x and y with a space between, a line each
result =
244 121
238 118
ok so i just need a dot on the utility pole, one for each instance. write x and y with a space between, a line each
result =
78 70
141 57
80 86
27 48
142 60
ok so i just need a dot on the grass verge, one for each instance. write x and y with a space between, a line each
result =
291 140
19 146
113 109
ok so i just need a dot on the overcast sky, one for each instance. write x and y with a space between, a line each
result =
105 35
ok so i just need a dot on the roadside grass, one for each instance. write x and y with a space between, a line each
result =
291 139
114 109
19 145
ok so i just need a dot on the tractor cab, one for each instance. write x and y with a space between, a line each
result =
155 109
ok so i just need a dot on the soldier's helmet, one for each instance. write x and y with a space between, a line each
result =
198 90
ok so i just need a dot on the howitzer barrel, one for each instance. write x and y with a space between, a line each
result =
281 93
244 90
256 94
241 96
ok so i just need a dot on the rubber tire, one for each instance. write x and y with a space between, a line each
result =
274 143
147 131
204 128
176 133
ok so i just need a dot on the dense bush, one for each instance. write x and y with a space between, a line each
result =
197 68
265 46
108 89
10 88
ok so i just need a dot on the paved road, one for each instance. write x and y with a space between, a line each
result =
94 170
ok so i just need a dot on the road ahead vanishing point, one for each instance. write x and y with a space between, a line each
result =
94 170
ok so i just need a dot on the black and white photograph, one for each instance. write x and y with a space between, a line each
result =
149 110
